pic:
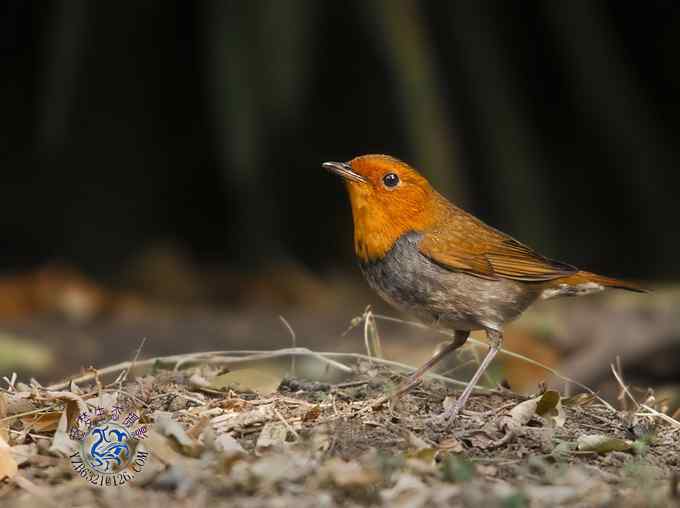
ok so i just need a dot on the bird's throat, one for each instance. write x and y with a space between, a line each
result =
377 228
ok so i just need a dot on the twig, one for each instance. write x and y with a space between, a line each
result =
622 393
134 360
249 355
205 357
287 425
653 412
623 386
293 339
371 337
28 413
352 384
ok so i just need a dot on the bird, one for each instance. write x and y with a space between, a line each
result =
433 260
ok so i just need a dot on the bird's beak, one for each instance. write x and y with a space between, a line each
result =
344 170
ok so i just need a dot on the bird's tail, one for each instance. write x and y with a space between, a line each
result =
585 277
583 283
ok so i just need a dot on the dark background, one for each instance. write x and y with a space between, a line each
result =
200 127
206 122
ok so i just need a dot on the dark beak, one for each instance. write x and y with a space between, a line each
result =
344 170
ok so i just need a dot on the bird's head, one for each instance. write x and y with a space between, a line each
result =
389 199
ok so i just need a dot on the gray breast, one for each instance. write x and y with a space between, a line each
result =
413 283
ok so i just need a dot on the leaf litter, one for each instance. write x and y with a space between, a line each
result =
247 438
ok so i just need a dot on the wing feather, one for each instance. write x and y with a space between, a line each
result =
463 243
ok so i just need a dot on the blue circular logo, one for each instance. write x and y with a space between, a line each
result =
105 448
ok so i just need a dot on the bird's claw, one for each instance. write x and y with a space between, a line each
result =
445 420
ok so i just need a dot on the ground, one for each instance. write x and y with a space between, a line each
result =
252 438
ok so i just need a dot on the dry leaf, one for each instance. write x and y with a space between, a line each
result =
321 441
44 422
550 408
547 402
409 492
197 429
198 381
3 405
415 442
523 412
241 420
312 414
348 474
162 448
603 444
248 379
482 440
272 437
547 405
22 453
174 430
229 449
62 443
8 466
448 402
227 444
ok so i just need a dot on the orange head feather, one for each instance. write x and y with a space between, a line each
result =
388 198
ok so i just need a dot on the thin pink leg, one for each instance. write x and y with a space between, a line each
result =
496 341
458 340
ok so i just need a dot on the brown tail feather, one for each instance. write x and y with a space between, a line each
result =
585 277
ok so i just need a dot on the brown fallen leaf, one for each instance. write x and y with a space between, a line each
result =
547 402
8 466
312 414
172 429
44 422
548 406
522 413
3 405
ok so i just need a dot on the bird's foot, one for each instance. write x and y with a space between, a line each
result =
445 420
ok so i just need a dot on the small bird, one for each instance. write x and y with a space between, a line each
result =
429 258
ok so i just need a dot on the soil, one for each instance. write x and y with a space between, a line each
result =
227 441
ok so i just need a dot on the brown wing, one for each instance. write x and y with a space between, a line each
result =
463 243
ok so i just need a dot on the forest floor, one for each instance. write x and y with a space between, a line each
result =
249 437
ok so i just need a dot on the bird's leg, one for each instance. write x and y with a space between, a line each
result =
459 338
495 338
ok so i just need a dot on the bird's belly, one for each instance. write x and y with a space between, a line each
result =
437 296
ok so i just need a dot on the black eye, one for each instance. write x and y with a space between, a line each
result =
391 180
